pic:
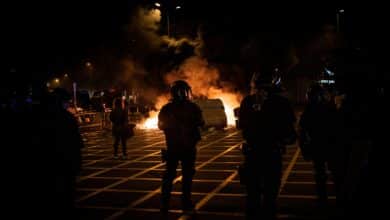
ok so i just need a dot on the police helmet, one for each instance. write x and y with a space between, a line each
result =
180 90
267 80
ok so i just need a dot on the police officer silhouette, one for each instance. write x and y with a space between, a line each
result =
266 119
318 136
180 120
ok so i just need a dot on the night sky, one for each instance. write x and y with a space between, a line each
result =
47 38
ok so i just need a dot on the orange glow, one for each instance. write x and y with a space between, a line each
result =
152 120
230 101
204 81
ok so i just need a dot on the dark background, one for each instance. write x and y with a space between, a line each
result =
45 38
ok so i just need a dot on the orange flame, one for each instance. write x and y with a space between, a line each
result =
152 120
230 101
204 81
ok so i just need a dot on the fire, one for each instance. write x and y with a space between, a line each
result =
230 101
152 120
205 82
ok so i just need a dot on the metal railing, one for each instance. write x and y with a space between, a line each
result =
89 120
101 120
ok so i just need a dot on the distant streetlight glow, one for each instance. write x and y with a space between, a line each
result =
66 75
167 8
56 80
88 64
48 84
340 11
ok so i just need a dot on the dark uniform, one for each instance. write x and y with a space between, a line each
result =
61 137
318 137
180 120
266 119
362 115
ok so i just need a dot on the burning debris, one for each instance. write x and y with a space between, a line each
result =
151 121
207 91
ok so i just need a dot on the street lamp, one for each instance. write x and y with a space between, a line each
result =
167 9
341 11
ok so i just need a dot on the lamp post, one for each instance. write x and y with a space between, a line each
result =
168 28
74 84
339 12
167 7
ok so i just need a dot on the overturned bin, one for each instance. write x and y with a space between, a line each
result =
213 112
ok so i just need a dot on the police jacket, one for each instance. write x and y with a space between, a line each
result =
180 121
266 122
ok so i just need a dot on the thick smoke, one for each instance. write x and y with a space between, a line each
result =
151 54
143 30
198 73
205 82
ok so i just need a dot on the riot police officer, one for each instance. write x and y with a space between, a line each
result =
362 115
59 135
180 120
318 137
267 122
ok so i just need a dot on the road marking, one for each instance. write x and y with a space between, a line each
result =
156 191
118 183
134 150
134 175
118 166
288 169
216 190
128 151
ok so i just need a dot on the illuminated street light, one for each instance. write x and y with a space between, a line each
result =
66 75
88 64
338 19
56 80
167 8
